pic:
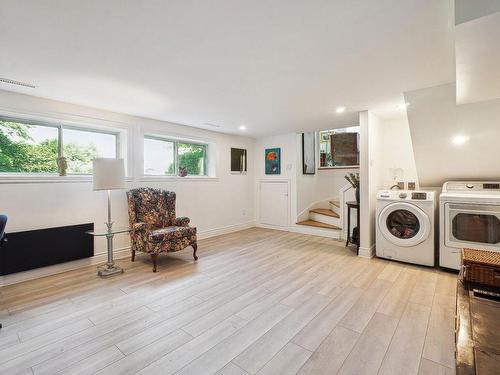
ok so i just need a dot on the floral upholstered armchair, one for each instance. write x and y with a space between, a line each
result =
154 227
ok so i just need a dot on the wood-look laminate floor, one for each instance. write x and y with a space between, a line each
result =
256 302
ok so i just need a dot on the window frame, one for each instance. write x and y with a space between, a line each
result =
176 142
318 154
162 139
60 126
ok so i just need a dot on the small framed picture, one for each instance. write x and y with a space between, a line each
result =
273 160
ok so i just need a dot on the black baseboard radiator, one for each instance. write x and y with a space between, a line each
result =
32 249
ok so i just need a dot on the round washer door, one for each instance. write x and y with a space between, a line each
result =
404 224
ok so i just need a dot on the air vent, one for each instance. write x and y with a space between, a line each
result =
17 83
212 125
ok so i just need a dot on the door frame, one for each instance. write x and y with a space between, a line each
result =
275 181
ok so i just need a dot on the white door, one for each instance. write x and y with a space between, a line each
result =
274 203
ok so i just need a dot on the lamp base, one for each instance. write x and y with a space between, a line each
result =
105 271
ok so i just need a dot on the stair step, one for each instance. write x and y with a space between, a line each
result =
335 203
314 223
325 211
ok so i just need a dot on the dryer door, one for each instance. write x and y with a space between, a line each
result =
404 224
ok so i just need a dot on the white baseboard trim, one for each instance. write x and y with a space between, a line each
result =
304 230
367 252
275 227
335 234
225 230
102 257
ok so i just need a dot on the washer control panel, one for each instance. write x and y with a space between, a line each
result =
404 195
419 195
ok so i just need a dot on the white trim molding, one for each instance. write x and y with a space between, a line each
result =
304 229
367 252
343 208
178 179
225 230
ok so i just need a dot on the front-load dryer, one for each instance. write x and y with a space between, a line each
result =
405 226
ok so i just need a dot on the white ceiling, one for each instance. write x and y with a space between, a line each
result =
467 10
478 59
274 65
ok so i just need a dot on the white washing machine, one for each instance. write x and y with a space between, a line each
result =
405 226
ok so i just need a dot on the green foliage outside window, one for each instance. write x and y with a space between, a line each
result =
80 157
190 156
20 153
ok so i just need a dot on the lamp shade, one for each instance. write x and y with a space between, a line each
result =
109 174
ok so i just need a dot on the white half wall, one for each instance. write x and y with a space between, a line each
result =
371 178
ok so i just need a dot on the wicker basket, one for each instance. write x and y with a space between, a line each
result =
481 267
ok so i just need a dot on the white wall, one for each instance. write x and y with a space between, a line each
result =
435 120
304 189
371 173
287 143
385 144
397 151
213 204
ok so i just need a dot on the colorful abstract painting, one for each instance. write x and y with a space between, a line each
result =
273 160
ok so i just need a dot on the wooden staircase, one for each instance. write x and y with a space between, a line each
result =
324 218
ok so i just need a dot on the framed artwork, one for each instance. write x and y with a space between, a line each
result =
308 153
238 160
273 160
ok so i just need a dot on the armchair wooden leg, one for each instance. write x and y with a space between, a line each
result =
154 258
195 248
133 255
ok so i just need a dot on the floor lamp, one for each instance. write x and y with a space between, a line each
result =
109 174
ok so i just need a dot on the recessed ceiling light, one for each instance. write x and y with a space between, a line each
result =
340 110
242 127
460 139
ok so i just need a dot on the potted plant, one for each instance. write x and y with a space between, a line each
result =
353 179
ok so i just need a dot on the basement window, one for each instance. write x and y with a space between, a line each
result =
31 147
170 157
339 148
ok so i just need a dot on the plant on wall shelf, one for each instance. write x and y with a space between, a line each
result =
353 179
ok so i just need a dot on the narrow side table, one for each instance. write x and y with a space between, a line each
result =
110 268
350 237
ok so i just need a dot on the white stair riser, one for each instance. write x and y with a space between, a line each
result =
334 208
325 219
330 233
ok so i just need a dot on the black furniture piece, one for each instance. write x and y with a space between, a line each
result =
3 238
354 237
37 248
